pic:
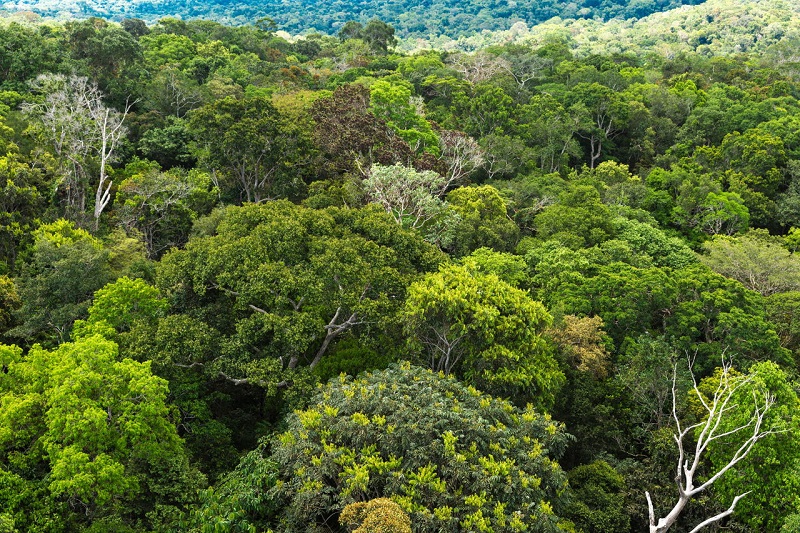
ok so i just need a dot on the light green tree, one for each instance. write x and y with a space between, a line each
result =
508 267
579 219
393 102
91 430
481 329
125 302
722 213
483 221
453 458
756 260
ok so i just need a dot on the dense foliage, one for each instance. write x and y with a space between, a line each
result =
250 283
451 457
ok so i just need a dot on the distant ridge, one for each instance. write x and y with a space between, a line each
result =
411 18
716 27
713 28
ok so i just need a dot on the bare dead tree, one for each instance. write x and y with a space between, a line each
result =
62 123
110 130
82 130
479 66
462 155
717 408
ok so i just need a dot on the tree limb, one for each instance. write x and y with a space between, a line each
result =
721 515
717 408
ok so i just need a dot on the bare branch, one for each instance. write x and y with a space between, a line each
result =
192 365
718 408
721 515
241 381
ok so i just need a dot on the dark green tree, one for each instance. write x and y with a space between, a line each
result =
247 141
56 285
598 497
286 282
379 36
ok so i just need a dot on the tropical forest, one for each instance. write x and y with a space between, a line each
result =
392 267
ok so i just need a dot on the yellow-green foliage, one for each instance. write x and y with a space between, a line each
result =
380 515
453 458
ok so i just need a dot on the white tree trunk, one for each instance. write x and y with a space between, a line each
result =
716 409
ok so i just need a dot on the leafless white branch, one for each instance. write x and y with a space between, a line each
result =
718 408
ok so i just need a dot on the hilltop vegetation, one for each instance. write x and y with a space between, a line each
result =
257 284
712 28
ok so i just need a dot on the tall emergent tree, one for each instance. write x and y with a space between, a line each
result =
284 283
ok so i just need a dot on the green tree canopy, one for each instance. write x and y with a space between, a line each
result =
393 103
21 203
248 141
87 437
483 221
162 205
125 302
410 196
9 302
698 309
284 282
598 498
56 285
756 260
579 219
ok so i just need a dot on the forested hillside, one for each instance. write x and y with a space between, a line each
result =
252 284
433 18
714 27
